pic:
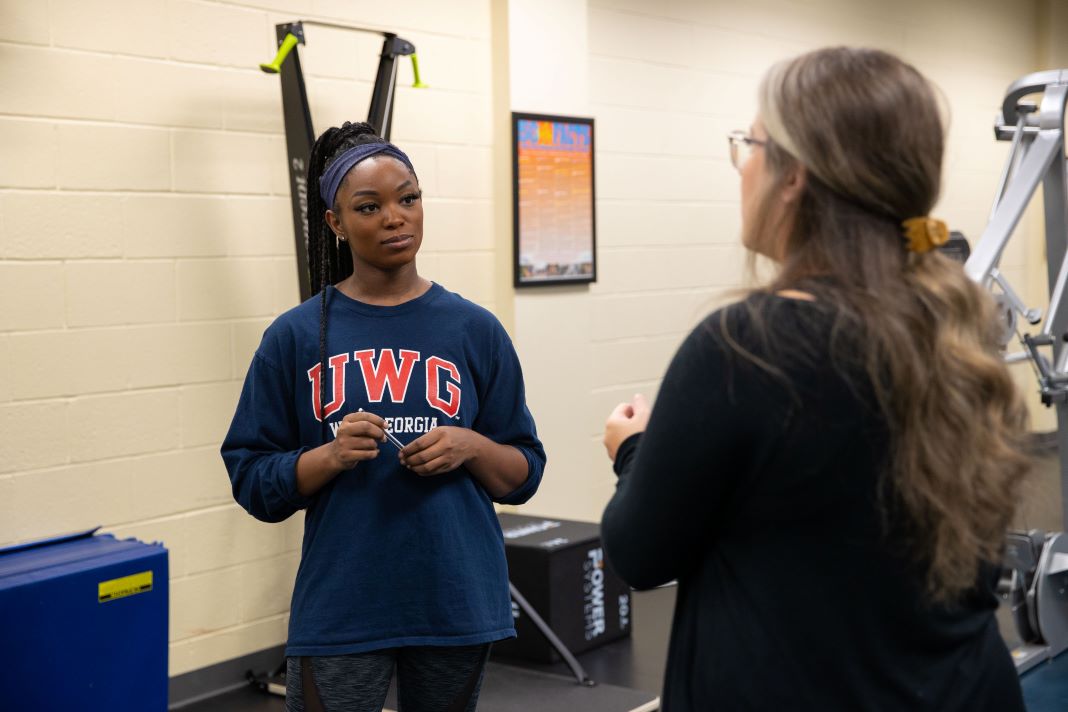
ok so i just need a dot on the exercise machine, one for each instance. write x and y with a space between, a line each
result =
297 115
1034 582
1033 586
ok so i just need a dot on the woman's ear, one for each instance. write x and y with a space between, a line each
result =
793 183
333 222
790 189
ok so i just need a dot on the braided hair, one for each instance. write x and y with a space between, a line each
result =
328 262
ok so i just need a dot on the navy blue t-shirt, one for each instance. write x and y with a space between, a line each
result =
389 558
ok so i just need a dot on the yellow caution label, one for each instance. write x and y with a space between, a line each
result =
125 586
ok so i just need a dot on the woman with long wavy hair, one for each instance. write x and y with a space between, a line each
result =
832 461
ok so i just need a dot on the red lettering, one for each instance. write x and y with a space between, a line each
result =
337 371
387 374
434 367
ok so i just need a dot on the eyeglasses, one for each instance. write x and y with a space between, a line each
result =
742 147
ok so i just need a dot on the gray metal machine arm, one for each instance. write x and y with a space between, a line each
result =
1037 157
1034 584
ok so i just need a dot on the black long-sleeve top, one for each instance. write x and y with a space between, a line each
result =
759 493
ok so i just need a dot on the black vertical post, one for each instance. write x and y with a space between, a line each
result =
298 124
380 116
299 139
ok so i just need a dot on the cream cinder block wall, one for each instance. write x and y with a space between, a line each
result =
666 81
145 237
552 323
146 242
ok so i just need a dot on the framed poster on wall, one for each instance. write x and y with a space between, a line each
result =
552 200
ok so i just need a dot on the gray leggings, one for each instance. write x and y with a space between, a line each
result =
429 679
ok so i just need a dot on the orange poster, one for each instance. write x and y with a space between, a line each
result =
554 219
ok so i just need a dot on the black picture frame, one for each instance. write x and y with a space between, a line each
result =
554 235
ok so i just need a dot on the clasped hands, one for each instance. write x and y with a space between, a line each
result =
441 450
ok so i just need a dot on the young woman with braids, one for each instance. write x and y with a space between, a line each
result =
832 461
402 564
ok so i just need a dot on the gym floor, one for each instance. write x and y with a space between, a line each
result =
1041 507
638 662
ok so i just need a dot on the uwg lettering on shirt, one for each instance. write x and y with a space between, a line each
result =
337 369
439 367
385 373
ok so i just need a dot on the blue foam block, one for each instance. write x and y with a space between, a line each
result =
83 624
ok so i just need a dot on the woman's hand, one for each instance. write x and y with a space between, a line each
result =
625 420
499 468
441 450
357 439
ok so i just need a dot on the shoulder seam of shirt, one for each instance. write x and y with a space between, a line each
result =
266 360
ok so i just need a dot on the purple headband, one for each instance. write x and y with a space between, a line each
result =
331 179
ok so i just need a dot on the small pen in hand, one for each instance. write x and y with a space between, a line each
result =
398 443
389 436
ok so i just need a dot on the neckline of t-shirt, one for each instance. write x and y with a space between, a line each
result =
338 297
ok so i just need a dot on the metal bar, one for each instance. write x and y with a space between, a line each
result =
387 120
339 26
1061 362
1031 84
300 136
1008 167
1033 168
380 115
1051 118
1005 133
1055 201
1032 315
1055 318
576 669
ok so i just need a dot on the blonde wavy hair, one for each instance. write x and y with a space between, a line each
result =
867 128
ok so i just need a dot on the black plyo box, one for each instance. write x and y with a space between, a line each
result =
558 565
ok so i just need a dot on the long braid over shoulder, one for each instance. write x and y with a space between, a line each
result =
329 262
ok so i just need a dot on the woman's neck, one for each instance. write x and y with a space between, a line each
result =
384 288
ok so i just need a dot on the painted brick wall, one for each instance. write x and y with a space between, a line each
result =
666 82
146 241
145 237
